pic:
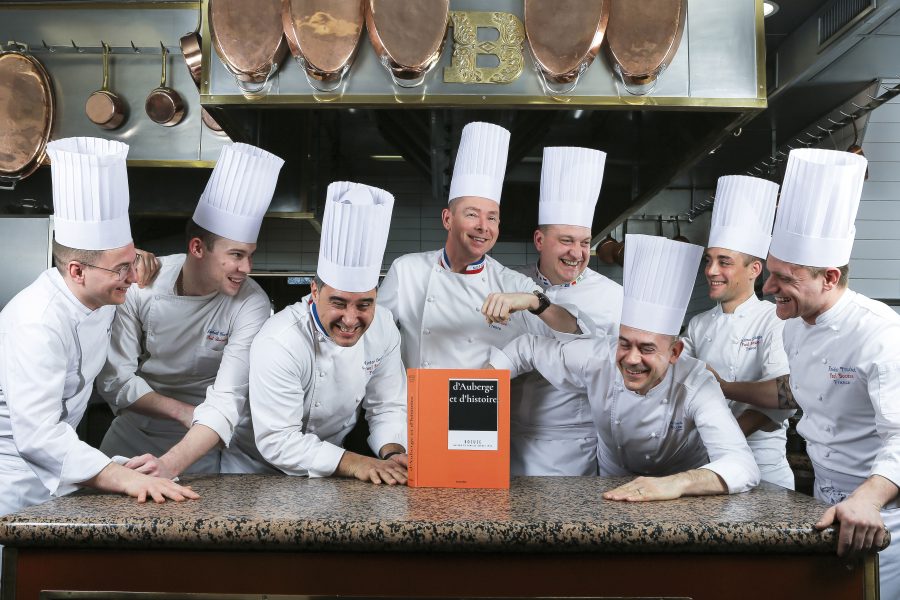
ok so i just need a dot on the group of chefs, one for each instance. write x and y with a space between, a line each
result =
203 380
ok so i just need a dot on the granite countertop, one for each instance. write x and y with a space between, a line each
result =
537 514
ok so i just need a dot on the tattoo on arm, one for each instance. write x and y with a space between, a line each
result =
785 395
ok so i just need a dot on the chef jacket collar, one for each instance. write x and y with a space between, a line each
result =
316 320
471 269
833 313
548 284
745 306
57 280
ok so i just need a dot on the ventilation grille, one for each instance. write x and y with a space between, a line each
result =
839 15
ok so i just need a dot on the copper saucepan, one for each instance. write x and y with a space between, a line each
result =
248 37
164 105
606 249
642 39
26 115
324 36
564 37
104 108
408 37
192 50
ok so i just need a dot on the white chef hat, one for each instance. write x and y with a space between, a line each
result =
743 214
354 234
480 162
658 280
819 199
570 184
90 193
238 192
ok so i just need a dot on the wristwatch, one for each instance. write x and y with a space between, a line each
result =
544 303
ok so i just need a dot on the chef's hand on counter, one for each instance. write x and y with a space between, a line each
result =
374 470
118 479
498 307
151 465
696 482
146 267
861 526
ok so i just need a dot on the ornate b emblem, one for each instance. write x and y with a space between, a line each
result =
508 48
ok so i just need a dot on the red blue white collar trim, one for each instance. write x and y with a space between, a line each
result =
471 269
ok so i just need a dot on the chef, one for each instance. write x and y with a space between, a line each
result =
660 414
844 355
317 362
741 336
54 335
178 365
552 429
442 299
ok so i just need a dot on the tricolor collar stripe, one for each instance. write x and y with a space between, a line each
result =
471 269
316 320
548 284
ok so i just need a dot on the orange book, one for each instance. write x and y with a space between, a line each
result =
458 428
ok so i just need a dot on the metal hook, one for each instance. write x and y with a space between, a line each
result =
846 115
77 49
135 48
822 129
780 153
838 123
47 48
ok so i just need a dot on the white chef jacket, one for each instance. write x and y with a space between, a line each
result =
746 345
439 311
305 390
845 375
51 349
682 423
195 349
552 429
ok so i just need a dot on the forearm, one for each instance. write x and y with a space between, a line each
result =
389 449
876 490
700 482
774 393
558 318
199 440
156 405
751 421
112 478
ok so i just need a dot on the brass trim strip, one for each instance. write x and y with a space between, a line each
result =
761 92
187 164
205 49
871 576
94 5
177 214
495 101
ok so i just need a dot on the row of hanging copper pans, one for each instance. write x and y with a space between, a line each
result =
564 37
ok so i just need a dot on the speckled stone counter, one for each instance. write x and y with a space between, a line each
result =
537 514
544 537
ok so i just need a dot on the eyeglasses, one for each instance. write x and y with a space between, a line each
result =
122 272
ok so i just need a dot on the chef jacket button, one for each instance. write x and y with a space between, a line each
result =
824 361
618 447
653 435
821 397
430 299
321 374
646 457
470 340
665 400
708 339
358 400
618 422
426 364
796 352
318 404
426 331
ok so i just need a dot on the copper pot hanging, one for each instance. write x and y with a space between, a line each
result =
324 36
249 39
564 37
408 37
164 105
105 108
192 51
26 116
642 39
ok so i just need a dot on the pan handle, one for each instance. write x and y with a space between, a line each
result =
8 184
165 59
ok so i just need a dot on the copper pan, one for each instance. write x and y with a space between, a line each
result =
26 116
105 108
164 105
248 38
323 36
564 37
192 50
408 36
642 39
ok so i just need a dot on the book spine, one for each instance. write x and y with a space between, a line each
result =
412 414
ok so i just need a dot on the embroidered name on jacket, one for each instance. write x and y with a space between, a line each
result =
369 366
842 375
751 343
214 335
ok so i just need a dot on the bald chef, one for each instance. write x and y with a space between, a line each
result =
552 429
844 356
741 336
314 364
660 415
178 366
54 335
442 299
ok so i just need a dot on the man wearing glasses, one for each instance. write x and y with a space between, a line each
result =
177 374
54 337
